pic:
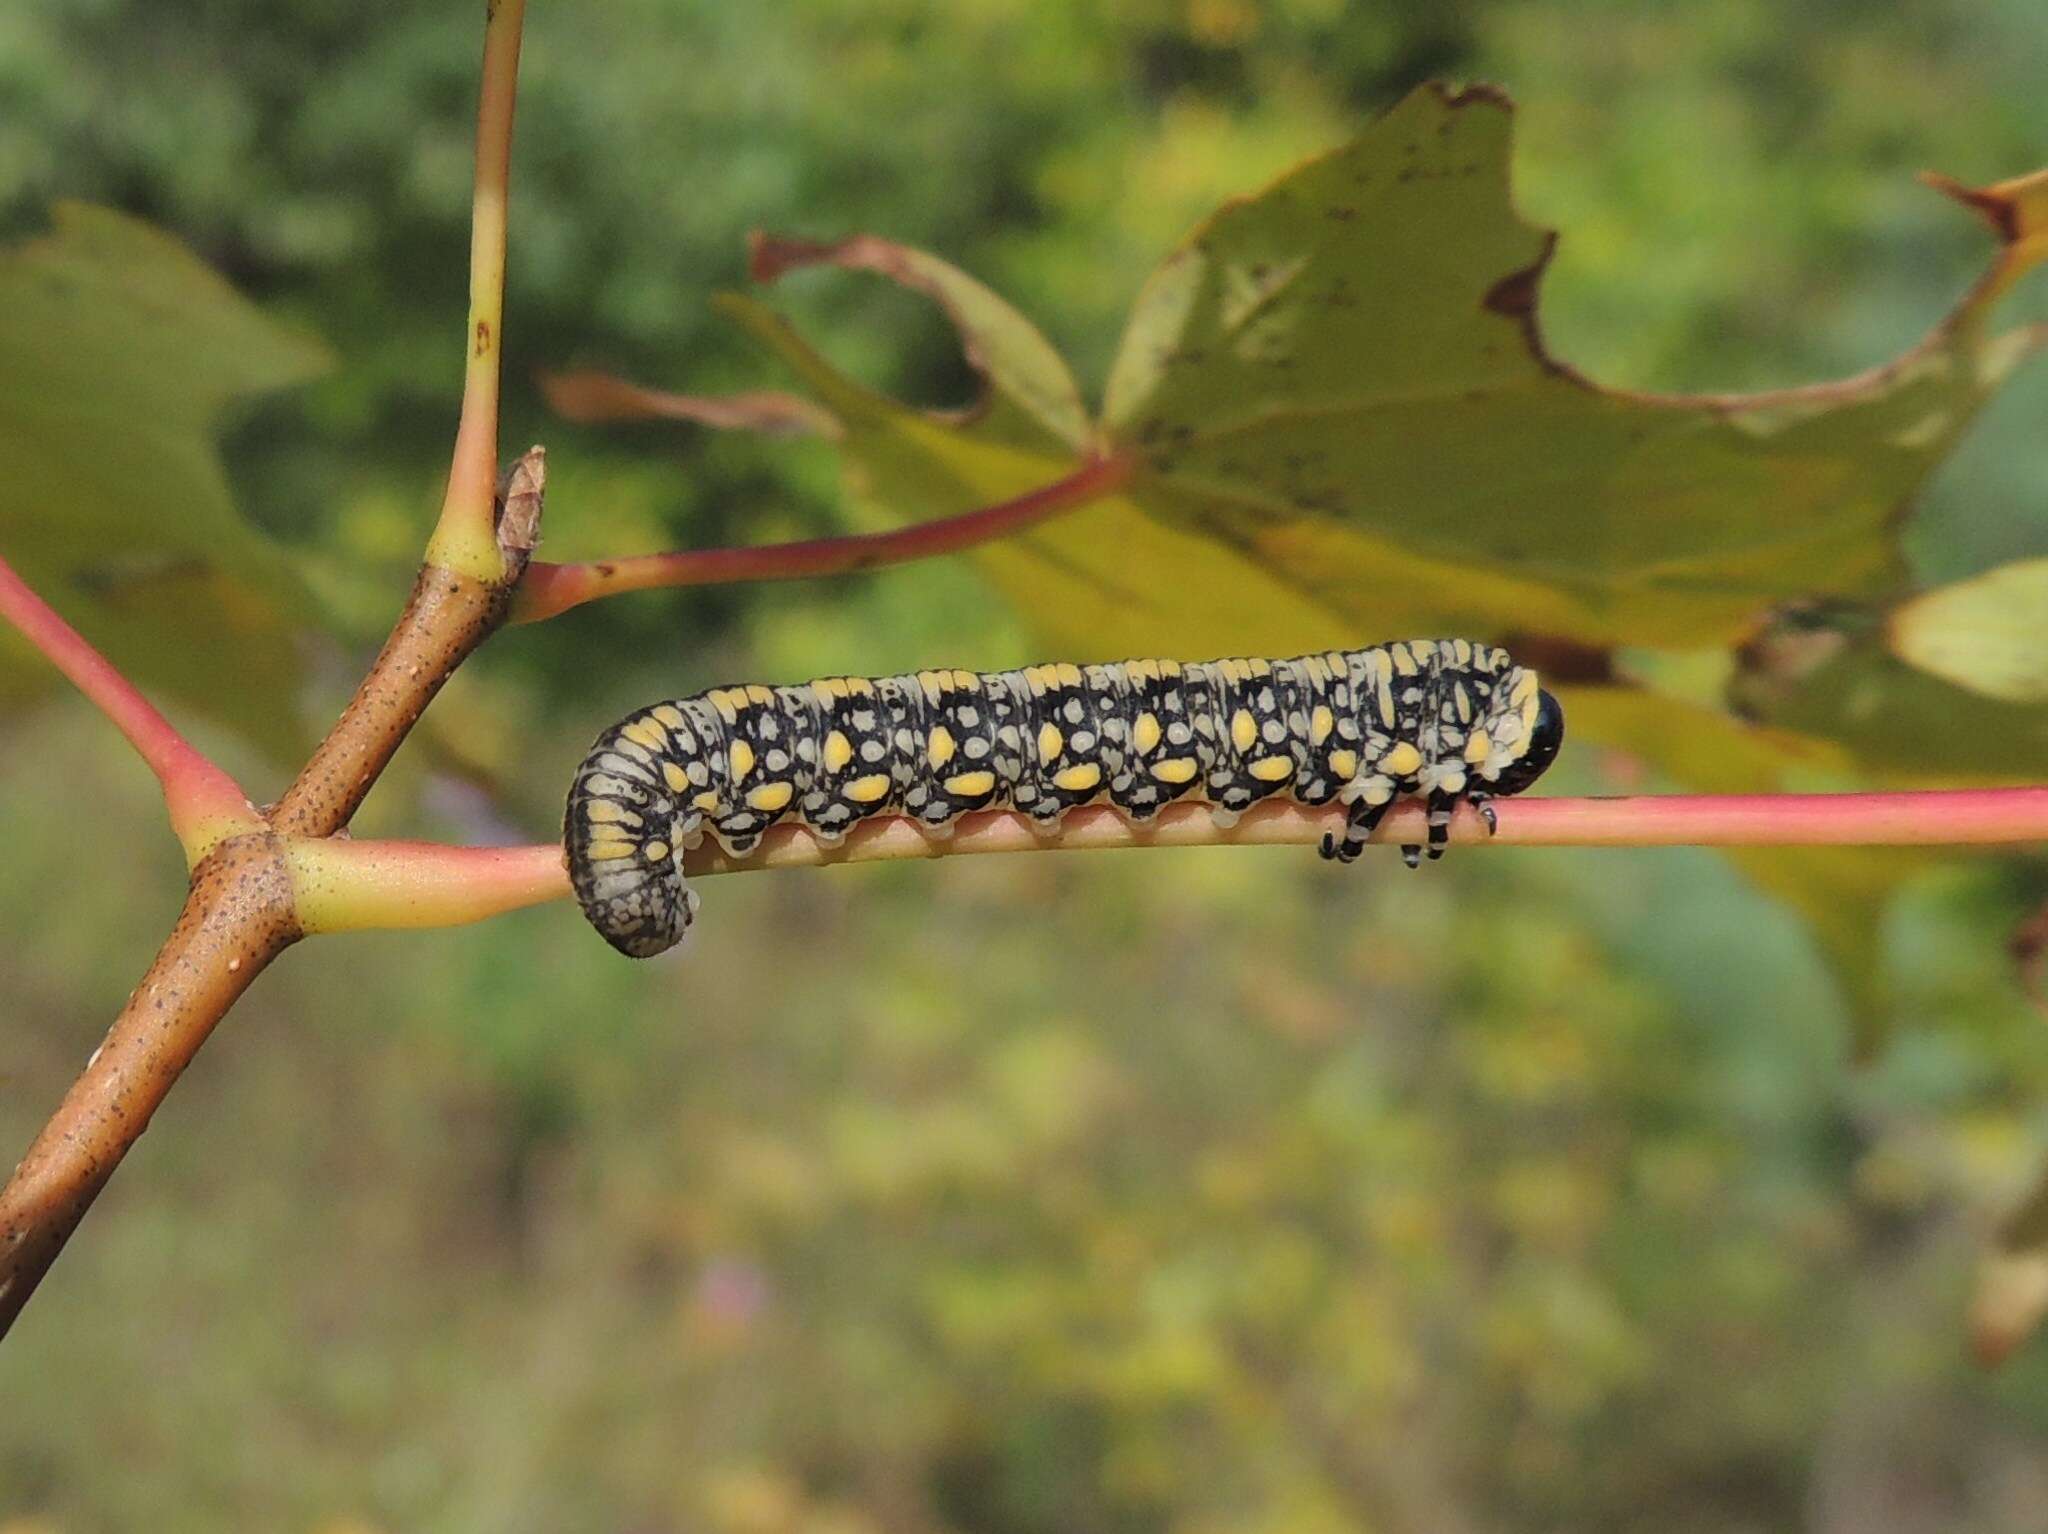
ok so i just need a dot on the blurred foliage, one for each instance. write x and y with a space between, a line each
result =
1218 1192
118 351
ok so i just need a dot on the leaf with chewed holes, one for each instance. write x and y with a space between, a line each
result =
1341 421
119 351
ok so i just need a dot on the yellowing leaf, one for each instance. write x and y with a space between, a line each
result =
1342 377
1826 672
1342 424
1988 634
118 352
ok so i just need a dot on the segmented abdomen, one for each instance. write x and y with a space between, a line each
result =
935 745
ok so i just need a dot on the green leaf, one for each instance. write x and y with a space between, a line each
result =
119 351
1343 424
1343 376
1826 671
1988 634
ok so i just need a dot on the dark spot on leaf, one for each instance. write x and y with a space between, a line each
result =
1515 294
1342 213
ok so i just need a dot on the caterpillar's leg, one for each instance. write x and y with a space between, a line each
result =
1484 804
1441 806
1358 828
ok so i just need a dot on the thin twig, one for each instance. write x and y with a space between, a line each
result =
464 540
205 805
361 884
551 589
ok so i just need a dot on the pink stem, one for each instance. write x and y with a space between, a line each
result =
1925 818
551 589
342 885
346 885
196 791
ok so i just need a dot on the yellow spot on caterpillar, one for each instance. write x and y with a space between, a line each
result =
1386 701
1244 730
1050 742
742 759
1078 778
656 851
1344 763
1175 769
607 852
604 812
1479 747
648 733
1423 648
707 801
769 797
1145 733
674 776
1452 780
726 701
939 746
1463 699
933 683
1525 688
1404 659
970 785
838 751
1402 760
1461 651
1068 673
670 715
868 789
1271 769
756 693
1142 670
1320 723
1038 678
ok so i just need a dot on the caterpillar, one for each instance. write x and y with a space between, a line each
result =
1447 720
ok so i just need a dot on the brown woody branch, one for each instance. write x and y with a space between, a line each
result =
239 912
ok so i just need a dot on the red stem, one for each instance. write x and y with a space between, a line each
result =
347 885
203 801
551 589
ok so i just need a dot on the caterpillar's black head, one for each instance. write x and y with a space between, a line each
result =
1539 748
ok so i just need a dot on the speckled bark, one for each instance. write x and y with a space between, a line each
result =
447 617
237 918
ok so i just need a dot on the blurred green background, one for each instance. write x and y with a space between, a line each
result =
1190 1192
